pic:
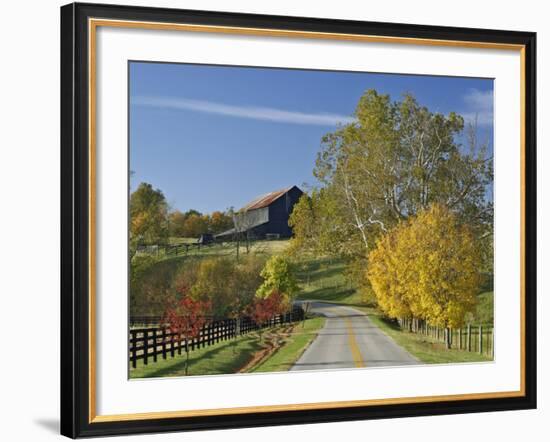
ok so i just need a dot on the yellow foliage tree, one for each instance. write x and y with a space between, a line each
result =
428 268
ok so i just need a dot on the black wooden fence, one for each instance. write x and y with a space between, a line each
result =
472 338
173 249
154 342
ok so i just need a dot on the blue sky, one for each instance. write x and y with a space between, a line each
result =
212 137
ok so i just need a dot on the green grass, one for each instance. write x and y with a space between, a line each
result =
285 357
221 358
484 310
425 348
261 247
233 355
323 279
175 240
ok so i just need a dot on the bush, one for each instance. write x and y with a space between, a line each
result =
229 286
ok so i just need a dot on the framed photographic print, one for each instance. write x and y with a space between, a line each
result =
278 220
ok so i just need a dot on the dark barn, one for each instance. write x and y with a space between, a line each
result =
265 217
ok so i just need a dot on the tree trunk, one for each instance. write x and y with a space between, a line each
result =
305 314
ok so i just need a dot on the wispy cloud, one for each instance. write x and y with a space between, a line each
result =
238 111
479 104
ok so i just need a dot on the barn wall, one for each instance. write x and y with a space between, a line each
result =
279 212
253 218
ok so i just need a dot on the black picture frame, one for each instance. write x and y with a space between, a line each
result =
75 221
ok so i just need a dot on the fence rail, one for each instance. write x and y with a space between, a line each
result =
173 249
154 342
472 338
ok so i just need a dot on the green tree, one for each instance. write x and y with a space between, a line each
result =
396 160
176 222
279 277
148 216
319 227
212 284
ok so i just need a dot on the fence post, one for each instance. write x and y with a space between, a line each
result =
492 343
469 337
134 349
172 349
480 340
163 343
155 345
146 347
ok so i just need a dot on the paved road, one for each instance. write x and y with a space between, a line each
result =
349 339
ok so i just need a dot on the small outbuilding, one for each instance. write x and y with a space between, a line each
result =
205 238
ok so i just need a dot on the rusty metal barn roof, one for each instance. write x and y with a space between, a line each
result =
266 199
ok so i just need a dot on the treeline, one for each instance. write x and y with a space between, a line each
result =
152 221
193 223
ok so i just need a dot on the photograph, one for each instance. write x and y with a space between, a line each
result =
284 220
277 220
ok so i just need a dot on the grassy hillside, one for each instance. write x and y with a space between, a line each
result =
323 279
153 274
217 249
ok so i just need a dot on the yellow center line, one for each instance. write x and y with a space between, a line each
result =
356 354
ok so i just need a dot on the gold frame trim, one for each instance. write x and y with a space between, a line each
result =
93 24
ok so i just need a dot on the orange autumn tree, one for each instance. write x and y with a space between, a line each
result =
428 268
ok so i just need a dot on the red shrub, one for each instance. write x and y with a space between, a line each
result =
264 309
